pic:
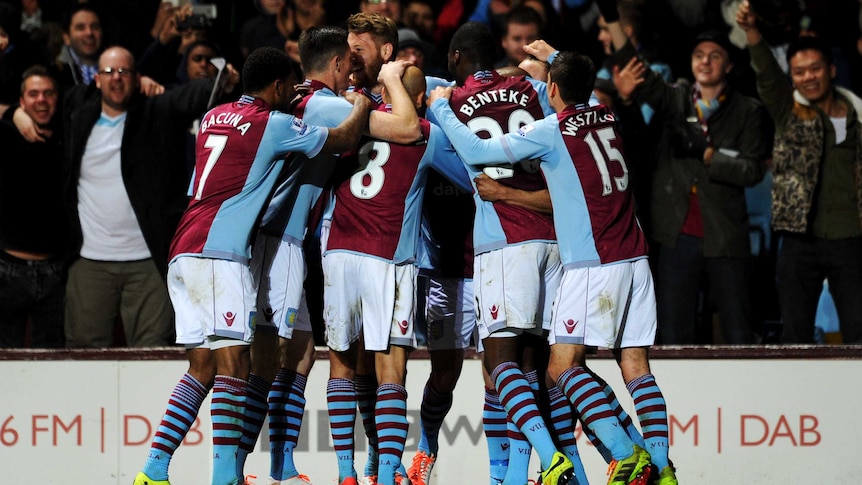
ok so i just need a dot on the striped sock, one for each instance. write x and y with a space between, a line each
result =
564 427
519 456
366 395
255 413
517 398
391 421
286 411
432 412
341 403
588 398
652 414
622 415
227 411
494 423
182 410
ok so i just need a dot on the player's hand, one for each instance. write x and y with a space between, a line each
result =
232 76
291 48
149 87
28 128
489 189
392 71
358 99
535 68
627 79
539 49
440 92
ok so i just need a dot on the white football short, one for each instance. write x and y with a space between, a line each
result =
450 314
610 306
368 295
279 270
214 301
514 287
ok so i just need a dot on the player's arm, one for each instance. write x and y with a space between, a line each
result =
492 191
446 161
402 125
346 135
473 150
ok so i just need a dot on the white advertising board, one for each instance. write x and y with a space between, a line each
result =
732 421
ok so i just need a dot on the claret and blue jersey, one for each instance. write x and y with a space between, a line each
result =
239 153
587 176
492 105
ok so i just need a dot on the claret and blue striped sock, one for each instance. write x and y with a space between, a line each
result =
227 411
341 403
652 414
517 398
563 423
592 404
366 395
433 410
255 414
286 411
391 421
494 423
181 412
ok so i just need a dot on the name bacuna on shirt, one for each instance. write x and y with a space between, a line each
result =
592 117
225 118
501 95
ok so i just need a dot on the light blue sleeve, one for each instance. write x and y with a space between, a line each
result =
527 143
541 88
432 82
293 135
328 111
446 161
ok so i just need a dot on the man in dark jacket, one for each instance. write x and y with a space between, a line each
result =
33 229
817 182
125 191
715 143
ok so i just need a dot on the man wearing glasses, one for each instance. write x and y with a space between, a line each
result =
125 192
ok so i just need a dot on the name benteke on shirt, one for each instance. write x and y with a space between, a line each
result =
502 95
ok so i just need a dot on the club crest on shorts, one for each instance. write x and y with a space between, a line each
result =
290 317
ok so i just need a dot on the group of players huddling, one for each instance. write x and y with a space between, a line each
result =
555 267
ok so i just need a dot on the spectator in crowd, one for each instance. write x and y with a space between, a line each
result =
413 49
263 30
82 39
522 26
17 53
419 16
714 144
125 191
297 17
817 193
163 57
387 8
33 228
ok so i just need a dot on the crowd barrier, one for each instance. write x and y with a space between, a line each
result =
760 415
